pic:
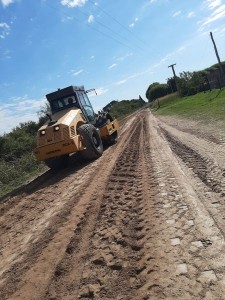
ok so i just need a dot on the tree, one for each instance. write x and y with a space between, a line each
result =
42 114
19 141
172 85
156 91
190 83
149 89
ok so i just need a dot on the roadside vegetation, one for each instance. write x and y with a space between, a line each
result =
121 109
208 106
17 162
197 95
188 83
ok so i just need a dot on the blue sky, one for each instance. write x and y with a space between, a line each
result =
118 47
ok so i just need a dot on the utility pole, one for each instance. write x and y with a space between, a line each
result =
222 75
174 74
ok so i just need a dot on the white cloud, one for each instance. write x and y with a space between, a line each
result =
145 6
99 91
11 120
181 49
213 3
6 2
73 3
67 18
21 109
121 82
177 13
112 66
77 72
133 23
220 30
6 55
170 55
4 30
124 57
29 104
135 75
90 19
217 14
191 14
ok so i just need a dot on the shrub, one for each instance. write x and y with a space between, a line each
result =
190 83
158 91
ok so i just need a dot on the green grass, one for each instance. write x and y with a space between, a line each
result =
203 106
14 174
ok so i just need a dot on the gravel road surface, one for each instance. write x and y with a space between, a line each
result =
144 221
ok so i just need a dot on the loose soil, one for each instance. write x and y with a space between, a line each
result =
144 221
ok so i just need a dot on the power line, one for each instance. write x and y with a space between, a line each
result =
123 26
204 52
138 47
113 31
93 28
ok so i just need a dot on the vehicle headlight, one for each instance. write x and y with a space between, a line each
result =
42 132
56 128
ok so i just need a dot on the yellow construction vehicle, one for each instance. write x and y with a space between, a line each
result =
73 126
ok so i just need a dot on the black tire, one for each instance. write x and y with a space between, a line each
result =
92 141
103 119
111 139
57 162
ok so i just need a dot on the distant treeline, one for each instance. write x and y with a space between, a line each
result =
189 83
123 108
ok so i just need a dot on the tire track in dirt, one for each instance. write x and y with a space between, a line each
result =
57 229
142 222
209 173
211 132
27 227
112 257
200 165
188 248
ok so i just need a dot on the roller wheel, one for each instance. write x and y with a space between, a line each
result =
113 138
92 141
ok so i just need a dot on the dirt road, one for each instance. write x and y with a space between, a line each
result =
145 221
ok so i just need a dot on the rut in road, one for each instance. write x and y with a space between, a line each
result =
36 228
144 221
200 165
205 167
109 266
